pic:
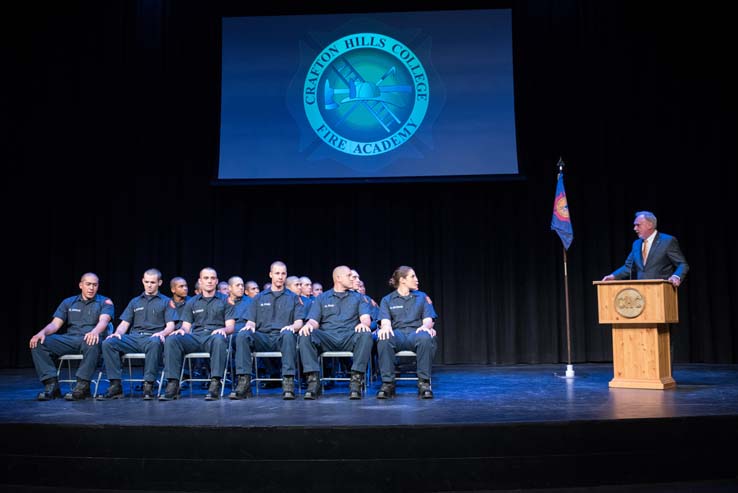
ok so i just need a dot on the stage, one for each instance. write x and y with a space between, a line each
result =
488 428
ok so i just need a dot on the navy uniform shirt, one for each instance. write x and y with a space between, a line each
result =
307 302
207 314
272 310
335 311
240 310
147 314
81 315
176 309
406 312
373 311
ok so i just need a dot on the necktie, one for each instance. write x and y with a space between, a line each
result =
644 251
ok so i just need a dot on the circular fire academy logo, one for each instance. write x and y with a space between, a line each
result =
366 94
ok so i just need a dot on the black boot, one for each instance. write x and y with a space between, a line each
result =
115 391
424 389
355 385
313 387
288 388
386 391
148 390
213 390
172 391
51 390
80 392
243 388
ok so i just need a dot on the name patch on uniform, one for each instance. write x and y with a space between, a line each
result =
138 309
396 307
265 304
330 305
75 310
199 310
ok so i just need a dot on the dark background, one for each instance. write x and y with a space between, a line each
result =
110 115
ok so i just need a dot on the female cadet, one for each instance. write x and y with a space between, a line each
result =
406 323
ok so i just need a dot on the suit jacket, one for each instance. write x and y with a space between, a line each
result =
664 260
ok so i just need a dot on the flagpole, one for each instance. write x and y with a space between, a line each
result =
569 367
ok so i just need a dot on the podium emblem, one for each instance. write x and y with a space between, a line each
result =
629 303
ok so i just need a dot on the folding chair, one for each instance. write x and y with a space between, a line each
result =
339 354
129 357
187 361
398 373
79 357
269 354
70 379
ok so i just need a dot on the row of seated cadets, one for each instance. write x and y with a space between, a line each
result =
339 319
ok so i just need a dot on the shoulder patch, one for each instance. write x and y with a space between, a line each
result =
108 301
427 298
299 298
171 304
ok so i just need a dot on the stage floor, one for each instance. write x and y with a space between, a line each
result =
489 428
464 395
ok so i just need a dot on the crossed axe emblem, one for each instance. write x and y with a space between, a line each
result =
366 94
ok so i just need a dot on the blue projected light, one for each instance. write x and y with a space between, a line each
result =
367 96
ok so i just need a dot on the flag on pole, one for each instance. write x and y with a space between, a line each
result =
560 221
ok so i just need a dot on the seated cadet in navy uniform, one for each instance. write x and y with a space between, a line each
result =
149 319
374 307
273 318
374 314
292 283
317 289
207 321
223 288
252 289
338 321
179 288
86 316
406 319
239 302
306 293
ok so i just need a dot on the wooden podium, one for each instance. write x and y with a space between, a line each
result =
640 313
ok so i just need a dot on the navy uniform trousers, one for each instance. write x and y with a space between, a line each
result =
176 346
248 342
57 345
360 343
406 340
113 349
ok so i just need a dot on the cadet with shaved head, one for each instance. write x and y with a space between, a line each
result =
178 287
338 321
252 289
150 320
207 321
86 316
273 319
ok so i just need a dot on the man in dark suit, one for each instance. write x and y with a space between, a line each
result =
654 255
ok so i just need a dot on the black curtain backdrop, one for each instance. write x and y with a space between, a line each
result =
110 129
